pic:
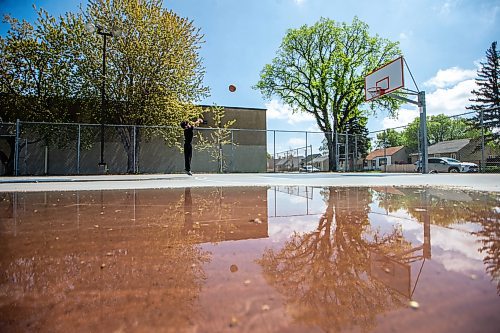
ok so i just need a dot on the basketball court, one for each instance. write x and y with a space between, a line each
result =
479 182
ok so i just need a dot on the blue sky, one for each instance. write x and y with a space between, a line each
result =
442 42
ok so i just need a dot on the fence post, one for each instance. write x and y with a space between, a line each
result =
78 143
337 159
346 150
233 162
355 154
274 150
16 151
306 155
135 149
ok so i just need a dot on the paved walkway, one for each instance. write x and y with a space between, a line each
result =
481 182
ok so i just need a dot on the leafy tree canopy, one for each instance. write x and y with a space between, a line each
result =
389 138
320 70
439 128
53 71
153 70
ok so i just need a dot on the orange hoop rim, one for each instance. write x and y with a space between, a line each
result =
376 91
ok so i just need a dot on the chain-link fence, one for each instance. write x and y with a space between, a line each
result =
29 148
458 143
307 151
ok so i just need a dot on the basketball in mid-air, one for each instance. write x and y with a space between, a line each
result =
232 88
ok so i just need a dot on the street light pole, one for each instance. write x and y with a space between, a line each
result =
100 31
102 165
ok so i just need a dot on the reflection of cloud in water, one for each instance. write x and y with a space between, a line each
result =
461 243
453 263
467 227
399 217
281 228
297 200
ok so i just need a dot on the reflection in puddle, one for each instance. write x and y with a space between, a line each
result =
250 259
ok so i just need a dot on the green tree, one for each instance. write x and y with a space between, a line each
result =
444 128
389 138
411 135
154 72
439 128
320 70
37 79
487 97
218 137
357 143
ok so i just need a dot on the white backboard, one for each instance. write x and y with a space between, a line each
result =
385 79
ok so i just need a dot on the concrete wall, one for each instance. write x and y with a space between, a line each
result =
154 156
246 154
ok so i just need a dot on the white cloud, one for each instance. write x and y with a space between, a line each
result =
446 8
450 96
404 35
297 142
276 110
405 116
450 101
299 2
449 77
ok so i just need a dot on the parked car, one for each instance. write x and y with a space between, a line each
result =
447 164
308 168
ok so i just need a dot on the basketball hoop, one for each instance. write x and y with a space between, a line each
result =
384 80
375 92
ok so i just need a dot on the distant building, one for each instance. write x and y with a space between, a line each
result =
465 150
377 159
289 163
321 162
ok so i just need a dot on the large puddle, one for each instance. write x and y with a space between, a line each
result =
250 259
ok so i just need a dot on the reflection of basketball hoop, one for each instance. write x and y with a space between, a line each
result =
375 92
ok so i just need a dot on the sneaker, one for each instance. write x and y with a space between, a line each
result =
189 173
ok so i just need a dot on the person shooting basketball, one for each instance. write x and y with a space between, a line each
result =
188 128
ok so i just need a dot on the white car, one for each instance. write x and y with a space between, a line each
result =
448 164
308 168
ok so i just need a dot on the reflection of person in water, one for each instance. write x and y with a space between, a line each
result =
188 209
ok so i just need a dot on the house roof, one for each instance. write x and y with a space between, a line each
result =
311 157
389 151
287 160
320 159
451 146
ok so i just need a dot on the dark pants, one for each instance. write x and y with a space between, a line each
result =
188 153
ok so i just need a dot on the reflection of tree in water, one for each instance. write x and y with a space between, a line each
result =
324 274
490 239
448 207
146 273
